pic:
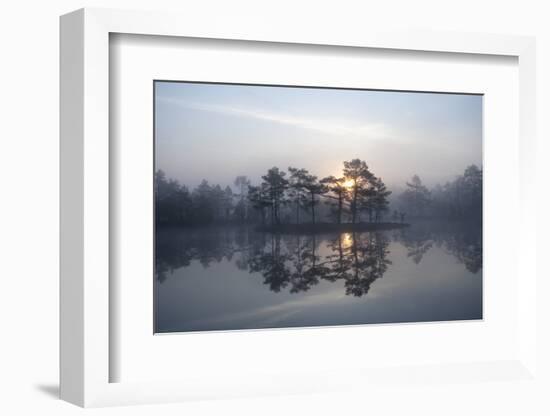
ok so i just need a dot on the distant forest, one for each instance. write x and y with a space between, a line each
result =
297 197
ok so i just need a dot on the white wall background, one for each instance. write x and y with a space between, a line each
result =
29 206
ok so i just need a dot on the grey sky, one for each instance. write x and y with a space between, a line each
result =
217 132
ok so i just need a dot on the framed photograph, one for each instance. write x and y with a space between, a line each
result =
248 213
241 243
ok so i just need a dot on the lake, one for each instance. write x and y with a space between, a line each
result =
230 277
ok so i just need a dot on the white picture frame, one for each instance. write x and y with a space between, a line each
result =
85 210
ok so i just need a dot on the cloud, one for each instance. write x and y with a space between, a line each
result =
331 127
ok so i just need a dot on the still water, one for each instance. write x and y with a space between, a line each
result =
224 278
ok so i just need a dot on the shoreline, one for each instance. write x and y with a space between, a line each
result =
319 228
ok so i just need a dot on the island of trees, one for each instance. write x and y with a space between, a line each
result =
297 200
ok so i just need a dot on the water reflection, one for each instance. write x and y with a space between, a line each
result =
297 263
462 240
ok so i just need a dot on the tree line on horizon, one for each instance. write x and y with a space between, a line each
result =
298 196
358 190
281 197
461 198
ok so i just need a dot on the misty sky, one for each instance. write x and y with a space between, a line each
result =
217 132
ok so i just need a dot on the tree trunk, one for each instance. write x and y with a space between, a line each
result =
354 204
312 207
340 209
277 213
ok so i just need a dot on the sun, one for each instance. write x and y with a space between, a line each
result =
349 183
346 240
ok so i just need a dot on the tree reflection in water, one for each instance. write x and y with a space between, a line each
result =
298 262
271 262
462 240
358 259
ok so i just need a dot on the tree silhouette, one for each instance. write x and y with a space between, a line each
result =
297 191
337 193
461 198
416 197
242 183
203 203
356 192
173 204
380 203
260 199
227 202
313 188
306 188
473 189
358 173
275 185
